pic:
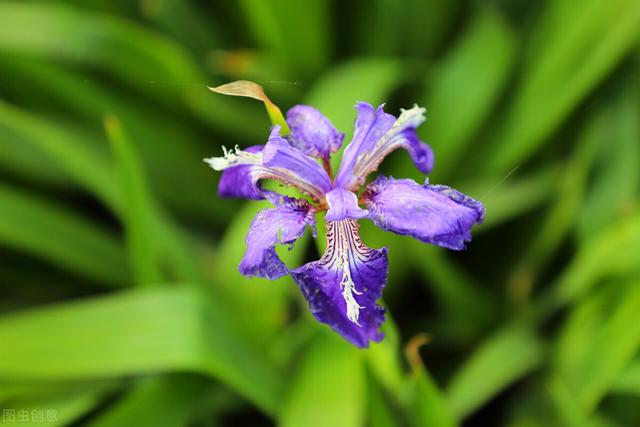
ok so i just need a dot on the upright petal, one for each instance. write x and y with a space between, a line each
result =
343 204
283 224
280 161
343 286
376 135
237 181
434 214
370 126
312 133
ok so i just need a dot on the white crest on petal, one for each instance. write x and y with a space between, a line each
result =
344 249
348 289
233 157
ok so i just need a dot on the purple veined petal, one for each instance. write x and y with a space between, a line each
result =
434 214
376 135
280 161
343 286
237 181
312 133
343 204
283 225
295 166
370 126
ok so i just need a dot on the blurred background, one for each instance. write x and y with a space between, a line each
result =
120 299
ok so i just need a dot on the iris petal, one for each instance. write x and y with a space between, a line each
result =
280 161
283 224
343 204
343 286
434 214
312 133
237 181
376 135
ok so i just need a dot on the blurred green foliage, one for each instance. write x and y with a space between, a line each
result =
120 300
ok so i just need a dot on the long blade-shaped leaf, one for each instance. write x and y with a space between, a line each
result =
132 333
329 387
564 66
139 212
40 227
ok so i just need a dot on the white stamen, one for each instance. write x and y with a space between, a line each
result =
233 157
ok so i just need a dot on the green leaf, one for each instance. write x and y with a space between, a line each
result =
387 17
384 358
335 93
426 26
606 353
329 387
138 215
183 20
503 358
137 56
288 30
247 89
564 64
168 400
171 148
464 86
20 159
614 190
89 166
381 413
39 227
266 300
58 406
414 30
37 28
568 410
367 79
507 196
427 404
133 333
466 306
560 218
67 147
613 251
628 382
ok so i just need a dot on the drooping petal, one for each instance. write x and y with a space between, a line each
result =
376 135
280 161
297 166
237 181
312 133
283 224
343 286
434 214
343 204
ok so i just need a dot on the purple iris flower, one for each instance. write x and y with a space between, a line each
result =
342 287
